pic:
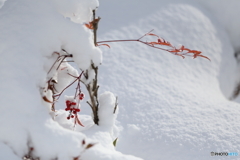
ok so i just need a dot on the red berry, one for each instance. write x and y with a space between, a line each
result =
81 96
68 118
68 103
74 112
72 116
73 103
77 110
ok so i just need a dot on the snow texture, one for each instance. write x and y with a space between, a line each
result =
172 108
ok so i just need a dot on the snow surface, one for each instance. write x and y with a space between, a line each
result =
2 3
172 108
169 108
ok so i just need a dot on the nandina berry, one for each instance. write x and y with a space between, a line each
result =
68 103
74 112
68 118
72 116
73 103
81 96
77 110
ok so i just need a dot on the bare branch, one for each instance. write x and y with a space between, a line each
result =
95 26
182 51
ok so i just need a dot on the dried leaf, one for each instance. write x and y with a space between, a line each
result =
46 99
153 43
56 53
151 34
182 48
203 57
195 52
160 43
76 158
90 145
83 142
54 81
89 25
78 121
104 45
180 55
175 51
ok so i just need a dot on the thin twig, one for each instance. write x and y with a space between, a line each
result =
78 78
134 40
145 34
59 57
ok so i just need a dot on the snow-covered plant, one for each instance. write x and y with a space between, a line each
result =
62 75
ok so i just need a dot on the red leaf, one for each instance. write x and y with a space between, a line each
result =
180 55
152 43
104 45
78 121
151 34
199 55
195 52
89 25
175 50
163 43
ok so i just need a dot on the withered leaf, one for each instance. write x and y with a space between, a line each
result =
90 145
83 142
46 99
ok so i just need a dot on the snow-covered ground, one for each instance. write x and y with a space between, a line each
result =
169 108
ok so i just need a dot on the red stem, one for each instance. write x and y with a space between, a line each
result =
134 40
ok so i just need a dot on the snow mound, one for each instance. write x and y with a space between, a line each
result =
173 108
33 34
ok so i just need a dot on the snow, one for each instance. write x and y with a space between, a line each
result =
2 3
227 14
107 108
29 38
175 108
169 107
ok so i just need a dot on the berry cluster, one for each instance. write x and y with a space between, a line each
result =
71 108
81 96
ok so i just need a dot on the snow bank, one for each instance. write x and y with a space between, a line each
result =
172 108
